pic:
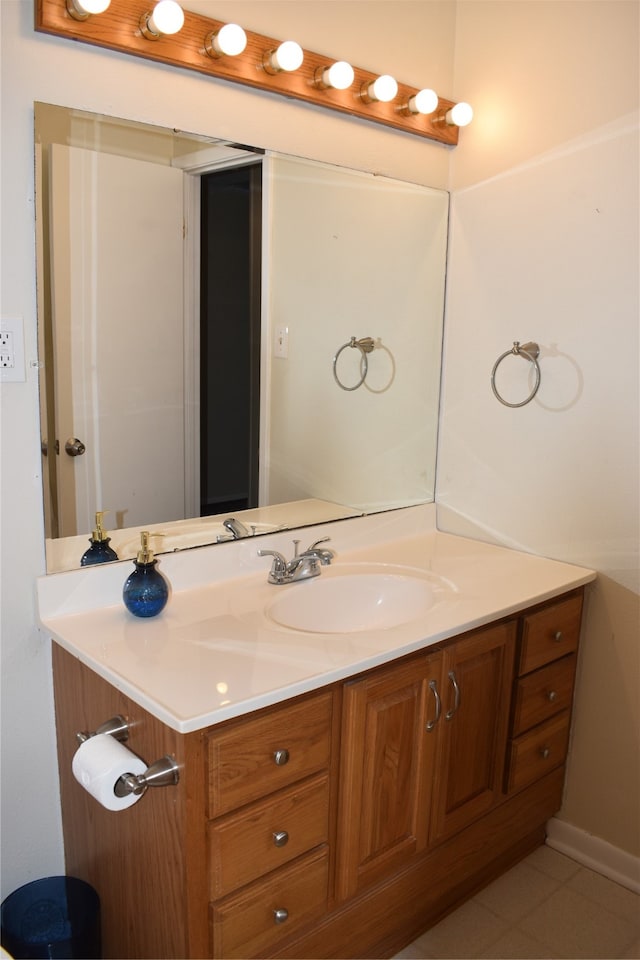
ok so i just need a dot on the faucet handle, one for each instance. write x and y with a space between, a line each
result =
321 540
279 565
324 555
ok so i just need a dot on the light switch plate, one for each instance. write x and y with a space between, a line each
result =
281 342
12 368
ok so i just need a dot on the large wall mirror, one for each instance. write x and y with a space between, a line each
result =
227 334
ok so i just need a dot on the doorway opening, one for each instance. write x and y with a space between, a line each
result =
230 319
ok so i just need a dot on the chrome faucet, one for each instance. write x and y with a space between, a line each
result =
236 528
303 566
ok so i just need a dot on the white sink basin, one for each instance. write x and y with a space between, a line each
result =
353 601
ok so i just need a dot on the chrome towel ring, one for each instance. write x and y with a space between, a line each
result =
365 346
530 351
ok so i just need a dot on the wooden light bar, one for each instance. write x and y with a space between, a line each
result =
118 28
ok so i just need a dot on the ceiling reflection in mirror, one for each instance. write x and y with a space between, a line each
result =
227 333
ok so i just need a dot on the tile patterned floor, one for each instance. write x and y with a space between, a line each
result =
547 907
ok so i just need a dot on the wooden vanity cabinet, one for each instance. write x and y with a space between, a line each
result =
342 823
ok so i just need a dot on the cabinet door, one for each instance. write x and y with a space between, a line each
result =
386 774
477 676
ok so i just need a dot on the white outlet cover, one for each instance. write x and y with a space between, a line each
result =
16 372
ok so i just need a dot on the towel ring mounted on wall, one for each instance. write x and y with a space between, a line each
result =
365 345
530 351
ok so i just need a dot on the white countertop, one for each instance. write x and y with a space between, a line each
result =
213 653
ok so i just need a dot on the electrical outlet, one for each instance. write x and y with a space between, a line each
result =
7 355
12 350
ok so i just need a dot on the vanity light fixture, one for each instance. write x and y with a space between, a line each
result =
211 47
383 89
459 115
423 102
166 18
339 76
287 57
229 41
82 9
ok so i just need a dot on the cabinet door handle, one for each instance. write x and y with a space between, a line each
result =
281 915
545 752
552 696
433 686
558 637
281 838
449 715
280 757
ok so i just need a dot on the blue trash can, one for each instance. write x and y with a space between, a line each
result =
58 917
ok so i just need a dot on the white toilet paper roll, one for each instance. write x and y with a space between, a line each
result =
99 763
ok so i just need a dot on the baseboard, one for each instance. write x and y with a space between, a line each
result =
594 853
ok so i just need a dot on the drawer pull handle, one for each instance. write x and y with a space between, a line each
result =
433 686
552 696
545 752
558 636
449 715
281 838
281 757
280 916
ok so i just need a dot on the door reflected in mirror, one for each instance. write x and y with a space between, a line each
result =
228 333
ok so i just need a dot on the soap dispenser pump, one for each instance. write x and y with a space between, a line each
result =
145 591
99 551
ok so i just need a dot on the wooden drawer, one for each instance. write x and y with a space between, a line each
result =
245 925
550 633
542 694
268 834
255 757
537 752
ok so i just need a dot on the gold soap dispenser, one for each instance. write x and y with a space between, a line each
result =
145 591
99 551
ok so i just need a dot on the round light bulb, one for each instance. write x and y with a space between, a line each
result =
230 40
425 101
93 6
81 9
460 115
288 56
167 17
383 89
339 75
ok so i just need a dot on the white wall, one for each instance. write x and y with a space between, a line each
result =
36 67
545 247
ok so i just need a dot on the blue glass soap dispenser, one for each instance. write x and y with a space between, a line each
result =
145 591
99 551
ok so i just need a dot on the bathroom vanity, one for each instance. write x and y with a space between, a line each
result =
339 792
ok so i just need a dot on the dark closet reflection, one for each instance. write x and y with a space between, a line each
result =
230 284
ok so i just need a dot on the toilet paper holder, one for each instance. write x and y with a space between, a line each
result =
117 727
162 773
